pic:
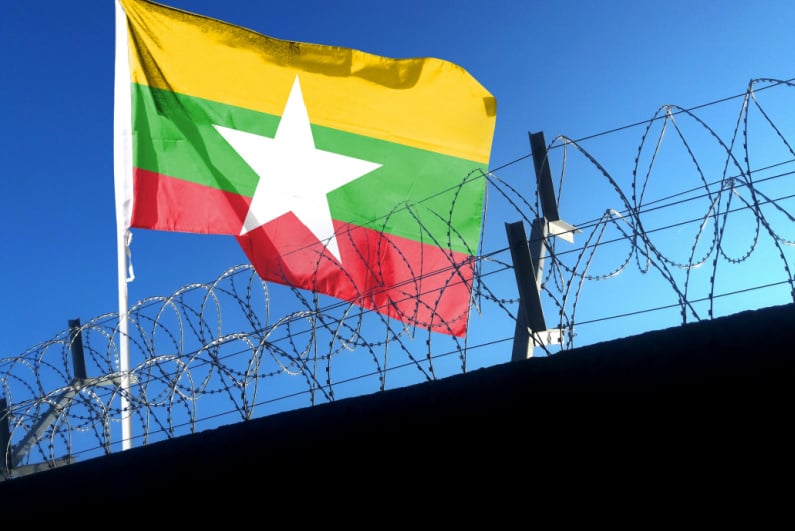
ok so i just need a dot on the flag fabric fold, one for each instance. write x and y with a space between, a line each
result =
338 171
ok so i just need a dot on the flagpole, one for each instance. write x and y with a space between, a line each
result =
124 347
122 171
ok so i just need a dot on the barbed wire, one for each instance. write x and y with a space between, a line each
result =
238 348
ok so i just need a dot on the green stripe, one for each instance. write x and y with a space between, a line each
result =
410 195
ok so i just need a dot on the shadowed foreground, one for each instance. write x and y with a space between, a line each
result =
699 403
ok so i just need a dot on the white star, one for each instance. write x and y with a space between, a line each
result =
294 176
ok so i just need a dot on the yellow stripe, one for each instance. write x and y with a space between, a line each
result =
424 102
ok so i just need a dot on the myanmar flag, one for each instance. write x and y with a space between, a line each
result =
338 171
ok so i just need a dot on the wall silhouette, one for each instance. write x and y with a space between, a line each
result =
706 395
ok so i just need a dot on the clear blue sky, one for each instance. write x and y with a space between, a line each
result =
565 68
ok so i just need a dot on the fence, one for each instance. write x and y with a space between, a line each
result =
694 223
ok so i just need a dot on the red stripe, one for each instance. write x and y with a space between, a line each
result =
166 203
417 283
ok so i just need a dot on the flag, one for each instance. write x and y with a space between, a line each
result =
338 171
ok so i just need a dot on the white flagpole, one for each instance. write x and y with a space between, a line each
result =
122 171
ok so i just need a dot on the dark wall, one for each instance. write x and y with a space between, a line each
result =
686 399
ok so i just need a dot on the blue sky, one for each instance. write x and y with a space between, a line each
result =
565 68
